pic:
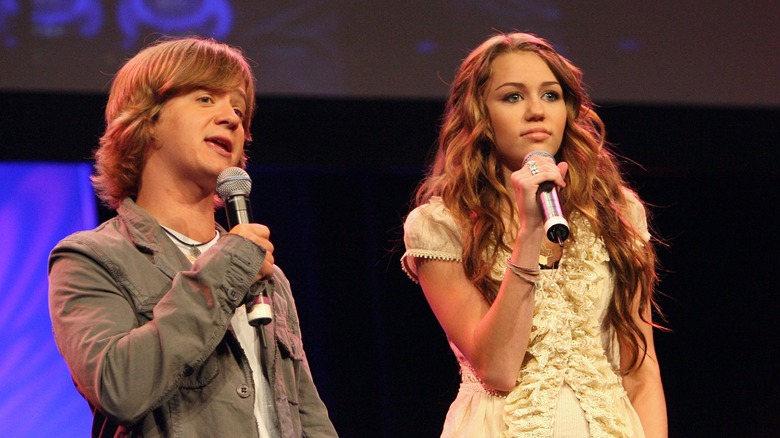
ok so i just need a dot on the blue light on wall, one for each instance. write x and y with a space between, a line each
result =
9 9
51 17
136 19
212 18
40 204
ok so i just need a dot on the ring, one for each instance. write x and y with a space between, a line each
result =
532 166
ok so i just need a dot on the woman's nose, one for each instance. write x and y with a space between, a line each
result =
534 109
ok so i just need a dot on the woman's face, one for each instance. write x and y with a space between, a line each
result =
526 107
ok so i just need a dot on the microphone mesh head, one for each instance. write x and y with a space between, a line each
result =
233 181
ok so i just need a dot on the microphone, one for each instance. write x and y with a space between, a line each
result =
233 186
555 225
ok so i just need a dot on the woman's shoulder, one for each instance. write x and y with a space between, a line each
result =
433 207
430 232
429 216
632 198
635 212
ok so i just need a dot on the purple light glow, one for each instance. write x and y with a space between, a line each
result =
40 204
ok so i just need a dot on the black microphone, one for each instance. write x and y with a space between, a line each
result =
555 225
233 186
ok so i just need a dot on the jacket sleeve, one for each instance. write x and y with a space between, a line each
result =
130 334
314 415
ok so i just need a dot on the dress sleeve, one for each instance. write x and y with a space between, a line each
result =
430 232
637 215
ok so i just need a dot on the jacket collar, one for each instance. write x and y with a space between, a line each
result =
143 229
148 237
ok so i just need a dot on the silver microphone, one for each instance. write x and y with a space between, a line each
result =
233 186
555 226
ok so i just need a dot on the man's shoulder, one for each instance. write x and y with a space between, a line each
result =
107 241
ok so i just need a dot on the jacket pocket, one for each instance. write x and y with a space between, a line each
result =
201 376
286 330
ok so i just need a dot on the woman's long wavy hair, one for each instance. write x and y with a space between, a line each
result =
167 69
467 173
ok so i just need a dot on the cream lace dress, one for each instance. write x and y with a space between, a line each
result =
568 385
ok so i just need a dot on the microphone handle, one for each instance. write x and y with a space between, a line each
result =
238 210
555 225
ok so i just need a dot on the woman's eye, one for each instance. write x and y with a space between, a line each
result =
205 99
552 96
512 97
239 113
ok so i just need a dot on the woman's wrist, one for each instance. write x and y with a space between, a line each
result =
530 275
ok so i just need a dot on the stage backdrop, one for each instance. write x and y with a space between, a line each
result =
40 203
719 52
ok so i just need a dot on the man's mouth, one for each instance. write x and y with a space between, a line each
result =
221 143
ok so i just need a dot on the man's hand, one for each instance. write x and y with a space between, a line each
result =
259 234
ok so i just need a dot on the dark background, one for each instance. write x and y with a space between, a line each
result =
333 179
350 99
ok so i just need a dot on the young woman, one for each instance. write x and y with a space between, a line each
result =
552 340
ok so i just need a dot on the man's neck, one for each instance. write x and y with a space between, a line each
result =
193 218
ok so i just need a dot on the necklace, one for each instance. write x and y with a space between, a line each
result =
194 248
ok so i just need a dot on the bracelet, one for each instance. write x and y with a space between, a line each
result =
529 275
534 272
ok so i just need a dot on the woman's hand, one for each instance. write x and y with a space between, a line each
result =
526 182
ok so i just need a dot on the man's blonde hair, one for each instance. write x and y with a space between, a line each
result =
166 69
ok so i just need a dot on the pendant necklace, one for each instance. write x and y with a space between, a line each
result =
194 248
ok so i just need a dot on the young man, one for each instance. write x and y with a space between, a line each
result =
147 309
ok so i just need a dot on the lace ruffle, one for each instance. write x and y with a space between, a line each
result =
565 346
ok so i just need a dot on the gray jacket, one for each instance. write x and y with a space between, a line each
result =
145 335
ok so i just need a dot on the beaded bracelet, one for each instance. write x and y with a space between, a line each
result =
529 275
